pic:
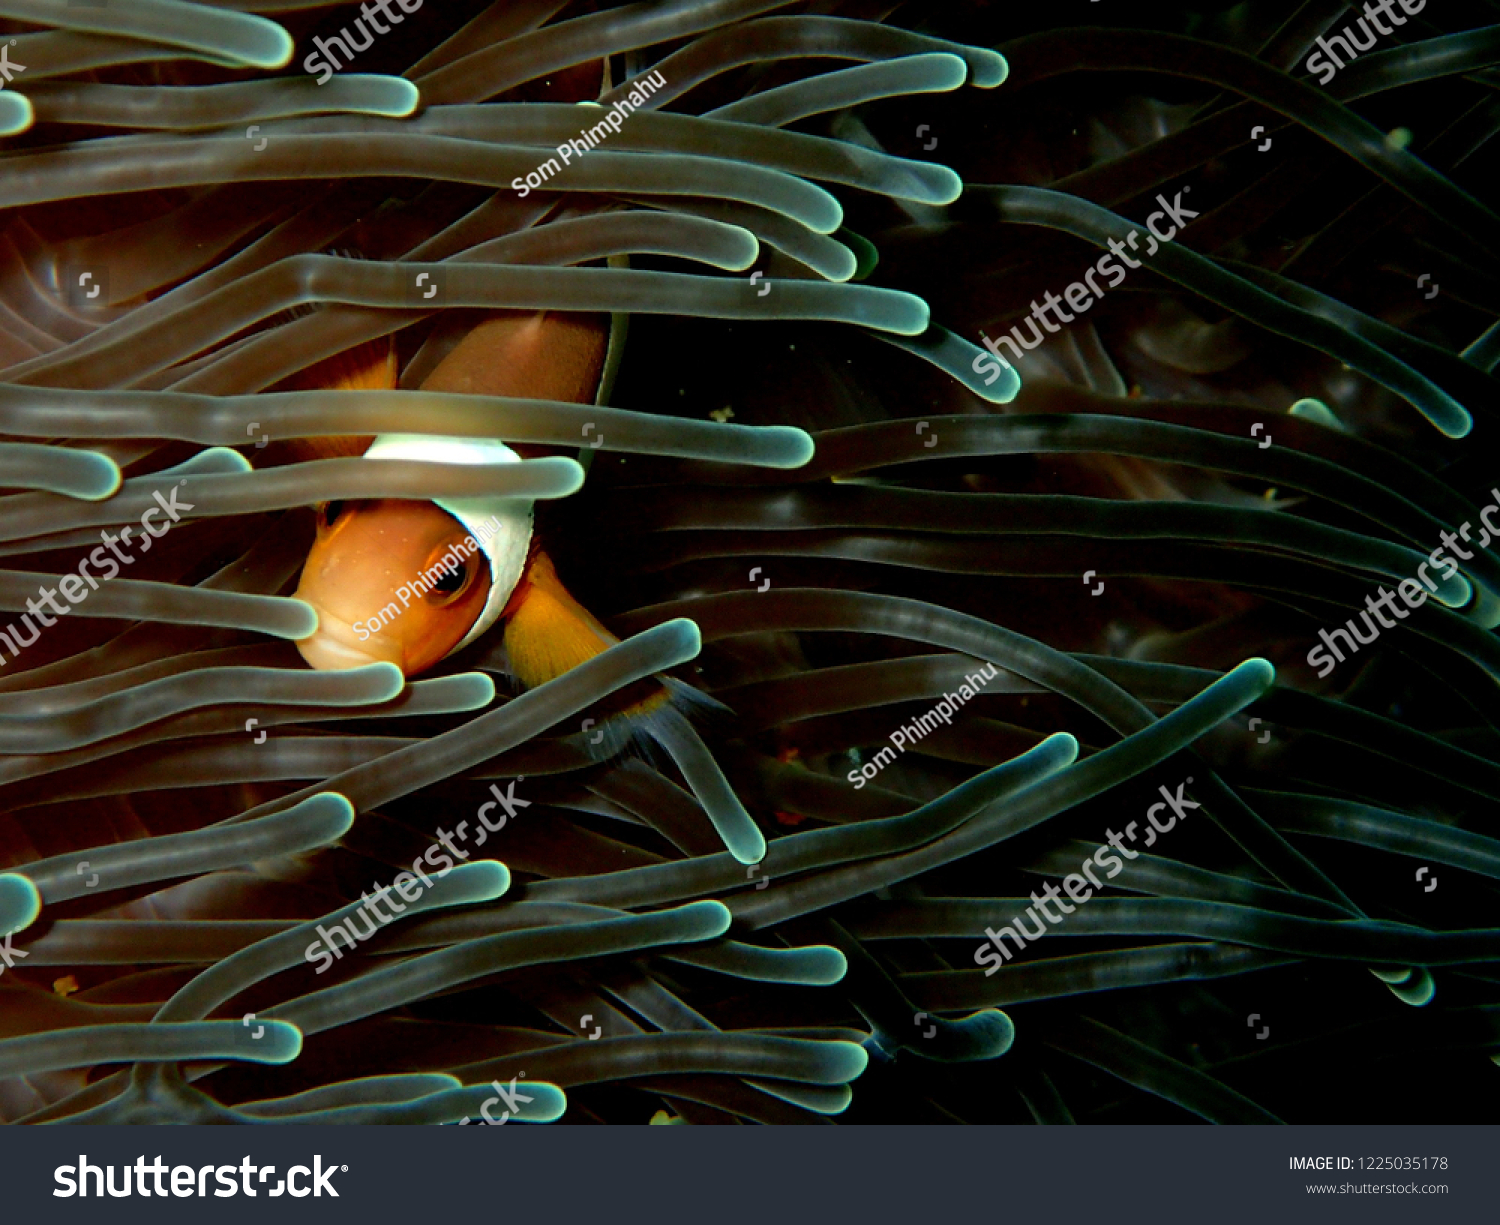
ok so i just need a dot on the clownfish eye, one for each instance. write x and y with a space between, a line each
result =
450 583
329 512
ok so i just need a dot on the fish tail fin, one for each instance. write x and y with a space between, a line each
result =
701 709
548 631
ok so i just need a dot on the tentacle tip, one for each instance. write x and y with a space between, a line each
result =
1456 426
306 627
489 879
1309 409
1003 392
995 1030
949 71
1455 592
988 68
748 848
795 447
831 967
222 461
1261 673
749 249
831 221
1063 746
712 918
16 113
279 44
479 689
333 804
105 479
1416 989
853 1059
410 97
944 185
684 637
386 679
285 1045
569 475
20 903
912 315
986 1034
549 1105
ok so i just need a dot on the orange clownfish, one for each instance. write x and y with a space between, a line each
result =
411 582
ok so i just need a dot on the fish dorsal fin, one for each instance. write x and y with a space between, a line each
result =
548 355
367 367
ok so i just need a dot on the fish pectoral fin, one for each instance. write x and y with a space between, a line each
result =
547 631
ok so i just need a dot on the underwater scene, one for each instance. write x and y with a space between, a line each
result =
724 561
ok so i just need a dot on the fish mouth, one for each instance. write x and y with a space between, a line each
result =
334 645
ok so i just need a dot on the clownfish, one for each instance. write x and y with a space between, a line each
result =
410 582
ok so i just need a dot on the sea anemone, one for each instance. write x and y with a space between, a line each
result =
982 594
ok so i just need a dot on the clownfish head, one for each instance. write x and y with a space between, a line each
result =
409 582
391 581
